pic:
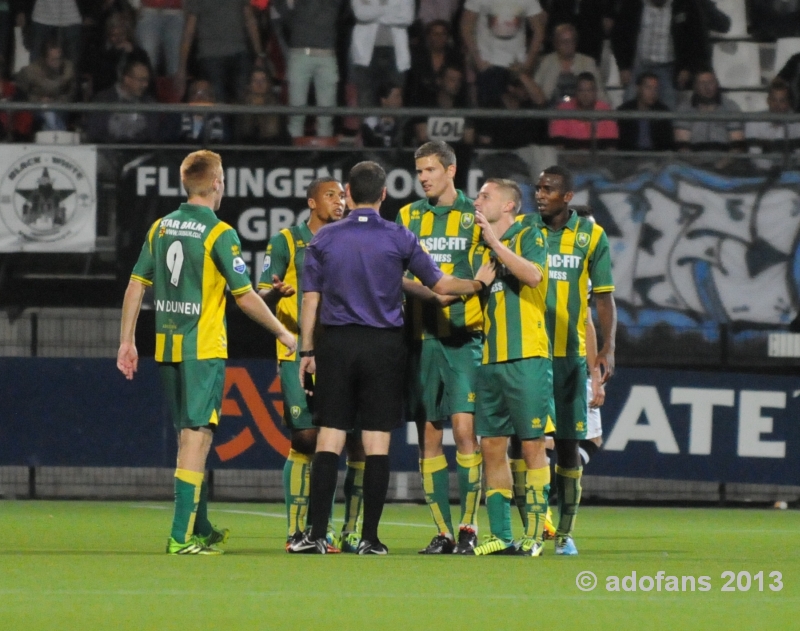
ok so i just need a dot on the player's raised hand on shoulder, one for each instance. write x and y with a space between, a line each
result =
127 359
284 289
488 234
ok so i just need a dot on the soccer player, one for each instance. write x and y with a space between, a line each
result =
578 252
188 258
281 277
446 348
515 380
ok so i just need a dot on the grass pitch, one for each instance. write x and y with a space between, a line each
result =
88 566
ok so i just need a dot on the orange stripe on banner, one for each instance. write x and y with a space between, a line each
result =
236 445
239 377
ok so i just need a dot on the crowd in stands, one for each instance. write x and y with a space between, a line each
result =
436 54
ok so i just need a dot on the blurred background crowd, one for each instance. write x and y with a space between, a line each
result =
651 55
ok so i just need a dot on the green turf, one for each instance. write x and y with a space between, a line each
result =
101 565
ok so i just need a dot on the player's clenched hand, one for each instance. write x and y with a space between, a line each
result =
127 359
284 289
486 272
605 362
598 391
308 367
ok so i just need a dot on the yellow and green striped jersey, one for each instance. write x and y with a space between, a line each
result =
448 233
577 253
514 313
189 257
286 252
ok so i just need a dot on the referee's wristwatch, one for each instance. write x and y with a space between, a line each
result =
306 353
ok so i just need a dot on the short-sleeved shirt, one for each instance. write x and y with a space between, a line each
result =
576 254
357 265
448 233
220 26
189 257
285 255
502 29
514 313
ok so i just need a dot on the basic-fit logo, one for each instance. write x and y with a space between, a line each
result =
44 196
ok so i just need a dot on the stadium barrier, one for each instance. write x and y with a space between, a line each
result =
77 428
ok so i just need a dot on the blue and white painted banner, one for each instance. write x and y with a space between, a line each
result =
691 247
48 198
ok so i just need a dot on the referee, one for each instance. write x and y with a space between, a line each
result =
353 275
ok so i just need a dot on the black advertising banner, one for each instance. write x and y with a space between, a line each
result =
265 193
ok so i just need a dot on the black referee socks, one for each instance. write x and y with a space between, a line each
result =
324 471
376 485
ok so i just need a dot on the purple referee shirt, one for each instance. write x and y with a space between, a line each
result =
357 265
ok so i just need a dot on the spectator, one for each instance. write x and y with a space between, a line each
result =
117 49
450 94
700 135
159 30
384 131
196 127
577 134
557 75
512 133
222 28
59 19
668 38
6 24
494 34
427 63
379 46
790 73
20 124
49 79
312 60
767 137
260 128
124 126
771 19
437 11
645 134
592 19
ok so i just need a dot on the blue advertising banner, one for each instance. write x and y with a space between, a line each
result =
667 424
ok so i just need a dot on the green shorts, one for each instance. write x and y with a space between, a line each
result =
442 376
569 393
193 390
515 398
296 403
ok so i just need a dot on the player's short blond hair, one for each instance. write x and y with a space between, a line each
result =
510 188
198 171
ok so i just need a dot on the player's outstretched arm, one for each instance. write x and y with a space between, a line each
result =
453 286
256 310
607 314
127 355
418 290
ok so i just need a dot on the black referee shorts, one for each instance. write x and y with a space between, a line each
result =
360 377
